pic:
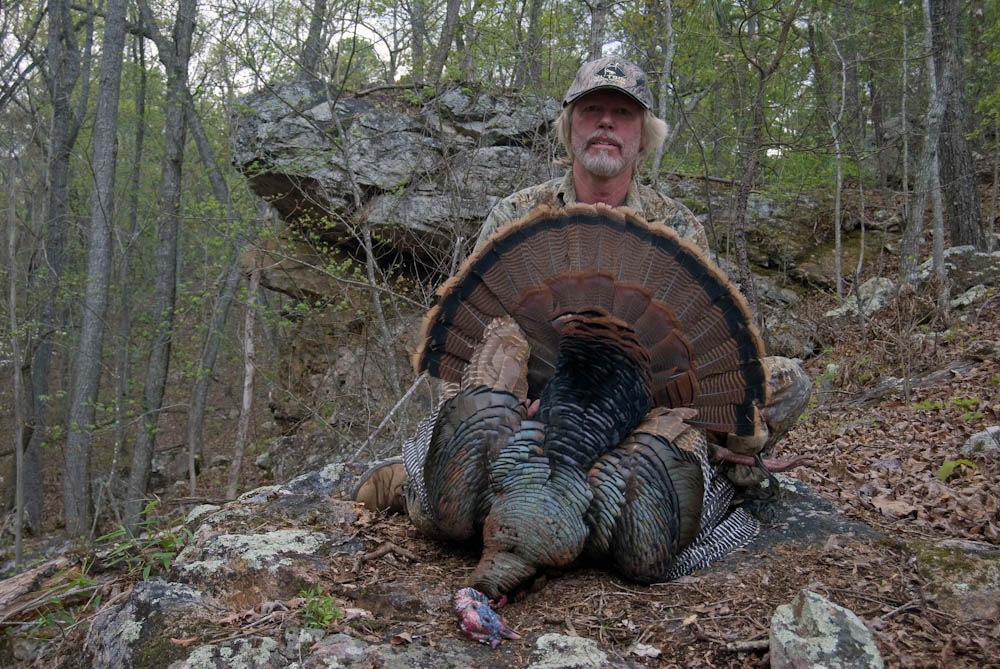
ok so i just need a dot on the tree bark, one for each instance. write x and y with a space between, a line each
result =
937 246
753 149
15 363
167 226
86 381
444 43
913 233
64 63
418 38
199 397
667 19
123 356
598 27
962 211
906 125
312 50
246 406
531 63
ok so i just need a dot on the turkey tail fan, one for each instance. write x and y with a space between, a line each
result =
704 349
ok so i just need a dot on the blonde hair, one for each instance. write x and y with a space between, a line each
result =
654 131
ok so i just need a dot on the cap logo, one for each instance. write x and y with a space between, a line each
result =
613 73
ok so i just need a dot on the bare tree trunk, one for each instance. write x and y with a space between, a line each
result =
444 44
836 128
878 131
938 237
123 359
418 38
912 235
196 413
312 50
167 226
667 18
740 213
962 212
906 124
248 373
598 27
15 363
199 397
64 63
87 376
990 232
531 63
752 160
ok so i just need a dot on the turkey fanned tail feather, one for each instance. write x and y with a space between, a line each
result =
695 325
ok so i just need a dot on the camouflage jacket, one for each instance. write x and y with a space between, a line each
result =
559 192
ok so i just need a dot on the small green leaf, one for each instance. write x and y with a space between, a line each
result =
948 468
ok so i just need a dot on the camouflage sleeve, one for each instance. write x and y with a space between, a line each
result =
503 211
688 227
674 214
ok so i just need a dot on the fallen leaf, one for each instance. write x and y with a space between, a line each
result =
184 643
401 638
351 614
645 650
269 607
690 619
893 508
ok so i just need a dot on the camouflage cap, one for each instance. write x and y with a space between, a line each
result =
611 72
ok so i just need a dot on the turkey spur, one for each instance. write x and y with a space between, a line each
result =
585 354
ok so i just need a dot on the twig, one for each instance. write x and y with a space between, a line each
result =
382 550
195 500
388 416
858 595
743 646
912 604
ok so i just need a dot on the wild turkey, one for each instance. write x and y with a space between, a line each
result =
633 345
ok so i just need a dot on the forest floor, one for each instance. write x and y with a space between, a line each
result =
877 456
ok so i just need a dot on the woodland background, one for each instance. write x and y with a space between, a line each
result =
126 314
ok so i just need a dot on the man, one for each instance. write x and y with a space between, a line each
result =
607 127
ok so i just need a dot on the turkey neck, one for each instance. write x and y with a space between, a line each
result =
599 391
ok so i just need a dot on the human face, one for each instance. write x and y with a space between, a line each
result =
606 131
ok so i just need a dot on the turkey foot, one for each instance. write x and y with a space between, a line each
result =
769 465
478 620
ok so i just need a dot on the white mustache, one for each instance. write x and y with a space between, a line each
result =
606 137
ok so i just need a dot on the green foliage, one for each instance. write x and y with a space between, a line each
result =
320 609
357 63
152 550
949 466
962 406
60 610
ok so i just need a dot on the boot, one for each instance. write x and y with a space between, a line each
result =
381 487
